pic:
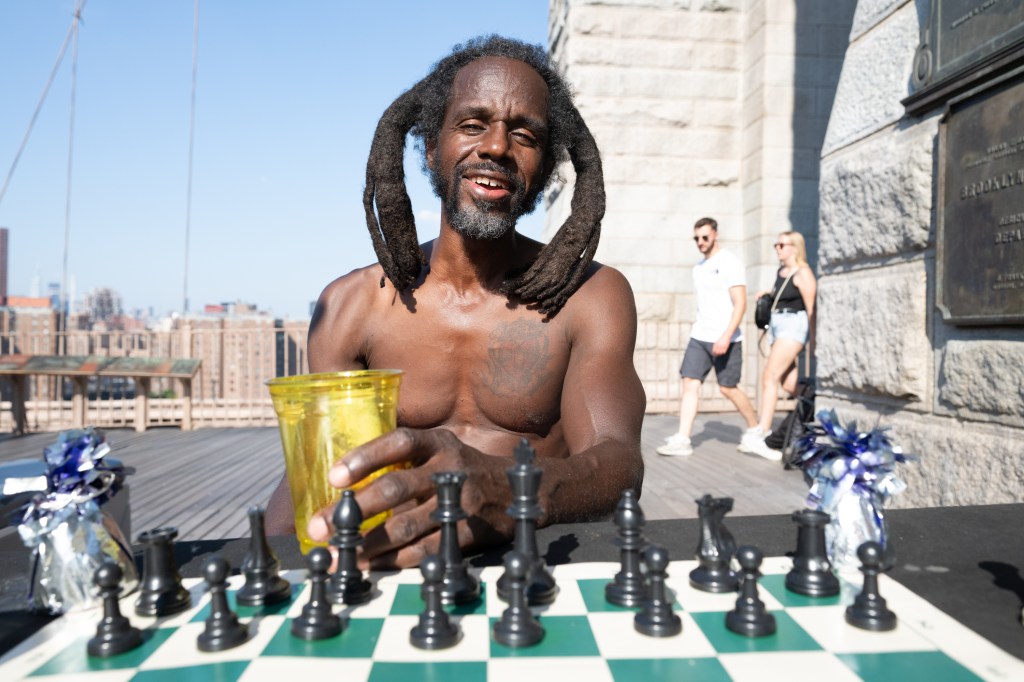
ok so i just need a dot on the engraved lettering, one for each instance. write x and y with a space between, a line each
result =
1006 180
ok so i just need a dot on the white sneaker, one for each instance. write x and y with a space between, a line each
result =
761 449
750 439
676 445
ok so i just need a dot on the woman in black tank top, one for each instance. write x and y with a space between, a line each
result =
792 327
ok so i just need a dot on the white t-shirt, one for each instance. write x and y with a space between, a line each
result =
712 279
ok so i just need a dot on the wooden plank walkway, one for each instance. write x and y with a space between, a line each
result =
203 481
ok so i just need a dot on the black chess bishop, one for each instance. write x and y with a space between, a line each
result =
628 587
263 584
347 584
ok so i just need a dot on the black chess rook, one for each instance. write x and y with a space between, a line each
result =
715 548
750 618
263 584
223 630
161 592
869 610
458 586
812 574
524 480
628 588
347 584
114 634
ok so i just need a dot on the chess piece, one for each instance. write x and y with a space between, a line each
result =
628 588
347 585
524 480
223 631
458 586
262 585
750 617
656 618
517 627
812 574
715 548
869 610
318 620
161 592
114 634
435 629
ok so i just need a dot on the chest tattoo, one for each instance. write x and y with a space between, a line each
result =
517 359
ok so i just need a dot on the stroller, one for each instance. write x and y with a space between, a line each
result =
795 424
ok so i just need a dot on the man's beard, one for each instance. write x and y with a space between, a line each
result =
481 219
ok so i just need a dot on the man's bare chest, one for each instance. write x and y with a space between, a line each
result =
501 372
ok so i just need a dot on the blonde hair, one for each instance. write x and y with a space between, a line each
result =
797 240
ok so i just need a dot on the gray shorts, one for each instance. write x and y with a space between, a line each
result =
698 361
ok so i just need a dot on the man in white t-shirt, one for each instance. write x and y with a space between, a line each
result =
720 286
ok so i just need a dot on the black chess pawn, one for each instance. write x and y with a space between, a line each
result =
715 548
223 631
161 591
524 480
262 585
318 620
458 586
869 610
347 585
656 618
628 588
750 617
435 629
114 634
812 574
517 627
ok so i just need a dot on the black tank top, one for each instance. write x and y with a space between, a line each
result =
790 298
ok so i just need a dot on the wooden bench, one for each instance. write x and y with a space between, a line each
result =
79 368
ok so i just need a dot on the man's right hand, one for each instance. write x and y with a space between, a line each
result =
410 534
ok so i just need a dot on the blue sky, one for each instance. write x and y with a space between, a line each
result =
288 96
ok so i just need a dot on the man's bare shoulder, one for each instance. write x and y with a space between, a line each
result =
605 293
337 331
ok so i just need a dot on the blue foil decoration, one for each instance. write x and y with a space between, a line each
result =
68 532
852 475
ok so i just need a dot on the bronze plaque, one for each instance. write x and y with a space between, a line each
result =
980 245
960 33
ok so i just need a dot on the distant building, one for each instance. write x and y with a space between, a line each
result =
3 266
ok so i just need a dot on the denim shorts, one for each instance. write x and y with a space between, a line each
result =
789 325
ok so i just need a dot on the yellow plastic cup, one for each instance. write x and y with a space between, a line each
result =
323 416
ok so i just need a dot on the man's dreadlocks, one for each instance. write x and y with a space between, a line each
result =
561 265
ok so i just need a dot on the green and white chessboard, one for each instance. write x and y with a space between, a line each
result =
586 638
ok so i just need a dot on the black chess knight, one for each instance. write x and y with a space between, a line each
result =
715 548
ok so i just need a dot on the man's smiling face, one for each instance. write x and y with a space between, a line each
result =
487 163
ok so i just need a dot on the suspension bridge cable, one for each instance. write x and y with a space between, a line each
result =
67 198
191 146
42 98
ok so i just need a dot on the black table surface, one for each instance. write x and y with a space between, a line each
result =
966 561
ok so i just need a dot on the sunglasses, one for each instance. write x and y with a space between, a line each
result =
779 245
702 238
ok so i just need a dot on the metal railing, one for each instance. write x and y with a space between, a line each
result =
238 359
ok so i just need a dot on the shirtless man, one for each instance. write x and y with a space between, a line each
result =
500 337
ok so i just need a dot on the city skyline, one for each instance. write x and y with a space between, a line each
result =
287 99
